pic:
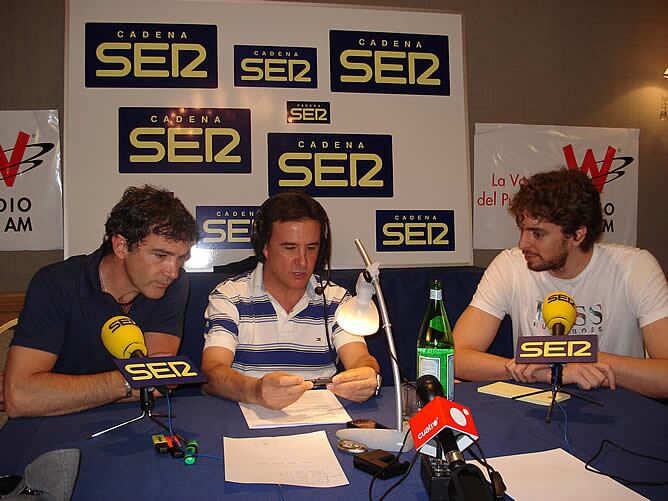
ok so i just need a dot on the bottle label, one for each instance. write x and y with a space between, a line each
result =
435 294
440 364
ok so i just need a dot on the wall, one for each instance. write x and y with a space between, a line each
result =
567 62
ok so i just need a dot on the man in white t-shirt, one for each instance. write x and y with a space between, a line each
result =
620 293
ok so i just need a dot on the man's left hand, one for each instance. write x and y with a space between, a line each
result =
354 384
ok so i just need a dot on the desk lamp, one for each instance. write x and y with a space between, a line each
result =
360 316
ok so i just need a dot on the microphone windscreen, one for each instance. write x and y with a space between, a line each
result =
559 308
122 337
427 387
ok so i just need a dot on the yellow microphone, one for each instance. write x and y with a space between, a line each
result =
559 313
123 338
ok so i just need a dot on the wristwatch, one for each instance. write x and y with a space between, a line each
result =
379 382
128 388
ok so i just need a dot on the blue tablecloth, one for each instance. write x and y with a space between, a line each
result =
123 465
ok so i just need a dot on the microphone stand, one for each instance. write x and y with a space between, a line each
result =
556 381
147 402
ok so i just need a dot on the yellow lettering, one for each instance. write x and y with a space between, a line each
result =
103 57
295 169
173 144
138 370
136 141
141 59
393 230
367 72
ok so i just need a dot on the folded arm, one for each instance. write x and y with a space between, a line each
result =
648 376
474 332
32 389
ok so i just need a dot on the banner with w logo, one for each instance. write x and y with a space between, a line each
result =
507 154
31 193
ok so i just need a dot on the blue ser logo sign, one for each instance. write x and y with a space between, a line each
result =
184 140
389 63
225 227
415 230
151 55
331 165
269 66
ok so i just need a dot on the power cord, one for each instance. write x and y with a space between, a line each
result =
495 479
395 460
588 466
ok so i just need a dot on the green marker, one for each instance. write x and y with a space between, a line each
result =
191 452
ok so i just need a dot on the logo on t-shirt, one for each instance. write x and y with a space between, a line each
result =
589 318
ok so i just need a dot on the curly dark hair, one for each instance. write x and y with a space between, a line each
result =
149 210
563 197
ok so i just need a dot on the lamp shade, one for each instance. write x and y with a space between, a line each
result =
665 73
359 314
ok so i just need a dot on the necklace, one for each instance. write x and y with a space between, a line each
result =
104 289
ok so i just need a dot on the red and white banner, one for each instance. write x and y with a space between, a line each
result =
31 191
507 154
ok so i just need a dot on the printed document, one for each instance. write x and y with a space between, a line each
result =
556 475
306 460
314 407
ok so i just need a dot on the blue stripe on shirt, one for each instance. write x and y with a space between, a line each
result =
283 357
225 323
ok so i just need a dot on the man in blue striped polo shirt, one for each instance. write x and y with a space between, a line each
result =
272 330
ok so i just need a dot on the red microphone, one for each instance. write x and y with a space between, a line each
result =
439 414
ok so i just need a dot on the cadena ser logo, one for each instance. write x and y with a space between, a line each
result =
184 140
308 112
389 63
590 165
415 230
225 226
16 164
151 55
331 165
269 66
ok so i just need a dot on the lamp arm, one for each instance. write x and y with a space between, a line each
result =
387 327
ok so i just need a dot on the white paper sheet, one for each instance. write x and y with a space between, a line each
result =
314 407
556 475
306 459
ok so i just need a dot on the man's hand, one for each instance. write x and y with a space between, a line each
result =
589 376
279 389
354 384
528 373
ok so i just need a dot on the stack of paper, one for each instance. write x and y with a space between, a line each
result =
314 407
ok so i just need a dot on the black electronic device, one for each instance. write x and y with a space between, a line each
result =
380 463
365 423
320 382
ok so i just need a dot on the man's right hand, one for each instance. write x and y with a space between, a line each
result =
279 389
589 376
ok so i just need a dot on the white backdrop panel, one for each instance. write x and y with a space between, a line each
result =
429 132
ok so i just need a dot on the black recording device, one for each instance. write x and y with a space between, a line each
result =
365 423
380 463
448 477
320 382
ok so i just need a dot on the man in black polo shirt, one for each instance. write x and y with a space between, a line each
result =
57 363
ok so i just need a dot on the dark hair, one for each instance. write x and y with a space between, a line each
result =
290 206
149 210
563 197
